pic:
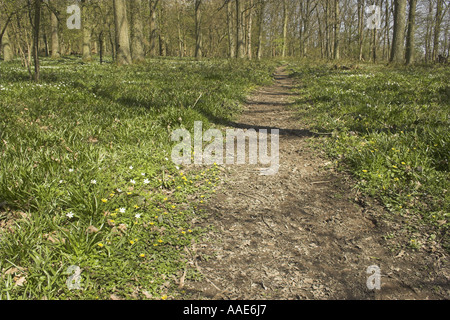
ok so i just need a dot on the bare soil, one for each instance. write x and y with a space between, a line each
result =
303 233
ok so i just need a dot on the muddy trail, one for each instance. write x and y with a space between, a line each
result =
303 233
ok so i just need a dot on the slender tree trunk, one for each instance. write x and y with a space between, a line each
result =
36 30
337 30
122 33
398 41
361 6
387 32
180 34
137 44
7 51
86 33
56 51
198 30
249 30
153 28
437 29
411 31
428 33
260 28
239 31
231 43
285 28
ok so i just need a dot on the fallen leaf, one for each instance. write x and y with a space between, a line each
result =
91 229
20 281
147 295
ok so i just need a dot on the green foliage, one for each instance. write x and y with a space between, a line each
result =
70 147
390 129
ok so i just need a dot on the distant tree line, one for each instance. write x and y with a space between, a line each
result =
398 31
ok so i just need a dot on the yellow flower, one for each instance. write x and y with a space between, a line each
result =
131 242
395 167
365 171
136 207
104 200
190 231
164 297
160 241
183 232
142 255
100 245
403 163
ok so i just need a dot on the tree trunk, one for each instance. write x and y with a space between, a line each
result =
86 33
260 28
387 32
337 30
361 27
122 33
249 30
137 44
198 30
153 29
411 31
36 30
7 51
56 51
231 43
285 28
239 31
437 29
398 41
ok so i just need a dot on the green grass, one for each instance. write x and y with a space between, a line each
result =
390 129
69 148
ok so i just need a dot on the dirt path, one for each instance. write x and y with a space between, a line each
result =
300 234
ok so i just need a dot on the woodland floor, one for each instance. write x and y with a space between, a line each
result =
303 233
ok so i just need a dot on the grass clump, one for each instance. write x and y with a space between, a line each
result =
86 177
389 127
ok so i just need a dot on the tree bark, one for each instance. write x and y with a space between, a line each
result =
231 42
153 29
398 41
86 33
239 31
285 27
437 29
122 33
7 51
249 31
137 44
198 30
337 30
56 51
411 31
36 30
260 28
